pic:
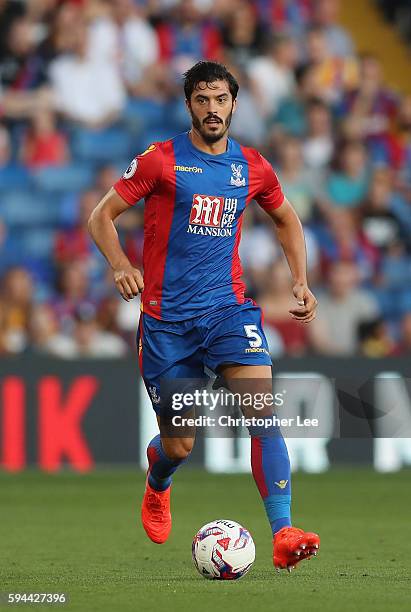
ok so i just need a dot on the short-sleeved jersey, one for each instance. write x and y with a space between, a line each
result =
194 203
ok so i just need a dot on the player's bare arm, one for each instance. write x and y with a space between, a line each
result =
129 280
291 237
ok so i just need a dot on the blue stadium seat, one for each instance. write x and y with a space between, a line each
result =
158 135
140 114
26 208
101 147
177 116
14 175
37 242
74 177
121 165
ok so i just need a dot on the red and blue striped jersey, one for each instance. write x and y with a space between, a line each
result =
194 203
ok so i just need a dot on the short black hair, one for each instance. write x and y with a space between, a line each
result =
209 72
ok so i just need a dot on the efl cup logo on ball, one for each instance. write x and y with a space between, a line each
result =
223 550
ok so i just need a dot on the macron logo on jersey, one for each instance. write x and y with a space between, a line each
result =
212 215
194 169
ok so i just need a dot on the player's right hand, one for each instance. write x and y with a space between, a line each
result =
129 282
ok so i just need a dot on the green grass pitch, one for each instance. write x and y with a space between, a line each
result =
80 534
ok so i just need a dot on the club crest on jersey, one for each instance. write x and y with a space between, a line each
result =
212 215
154 397
131 170
237 179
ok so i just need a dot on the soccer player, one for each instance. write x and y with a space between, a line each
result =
196 187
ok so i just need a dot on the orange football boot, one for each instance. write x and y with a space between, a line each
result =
155 514
292 545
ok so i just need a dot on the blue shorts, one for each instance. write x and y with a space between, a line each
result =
182 349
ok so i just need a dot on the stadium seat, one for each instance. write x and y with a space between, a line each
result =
177 115
158 135
37 243
25 208
12 175
140 114
74 177
101 146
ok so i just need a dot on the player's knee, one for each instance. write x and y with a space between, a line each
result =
177 449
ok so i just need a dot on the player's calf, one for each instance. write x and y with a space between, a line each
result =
165 455
164 458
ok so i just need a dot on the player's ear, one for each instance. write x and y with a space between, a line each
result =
234 105
188 105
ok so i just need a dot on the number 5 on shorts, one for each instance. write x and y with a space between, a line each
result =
251 332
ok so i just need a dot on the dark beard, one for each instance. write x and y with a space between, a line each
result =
210 138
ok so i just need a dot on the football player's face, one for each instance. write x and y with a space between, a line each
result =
211 107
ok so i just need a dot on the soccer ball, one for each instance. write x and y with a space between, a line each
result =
223 550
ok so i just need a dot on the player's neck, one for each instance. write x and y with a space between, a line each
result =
214 148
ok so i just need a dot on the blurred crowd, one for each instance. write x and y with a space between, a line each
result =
398 13
87 84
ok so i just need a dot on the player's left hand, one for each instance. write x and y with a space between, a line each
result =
306 304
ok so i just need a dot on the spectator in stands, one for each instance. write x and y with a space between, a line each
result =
295 178
3 331
243 34
273 73
291 114
10 249
187 37
376 341
60 34
108 314
343 306
9 12
5 146
405 334
395 271
88 91
18 66
22 82
43 330
372 109
258 251
72 289
326 15
106 176
347 186
87 339
43 144
318 145
385 217
404 138
341 239
40 12
17 299
118 317
285 15
276 301
335 75
247 112
74 244
120 33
